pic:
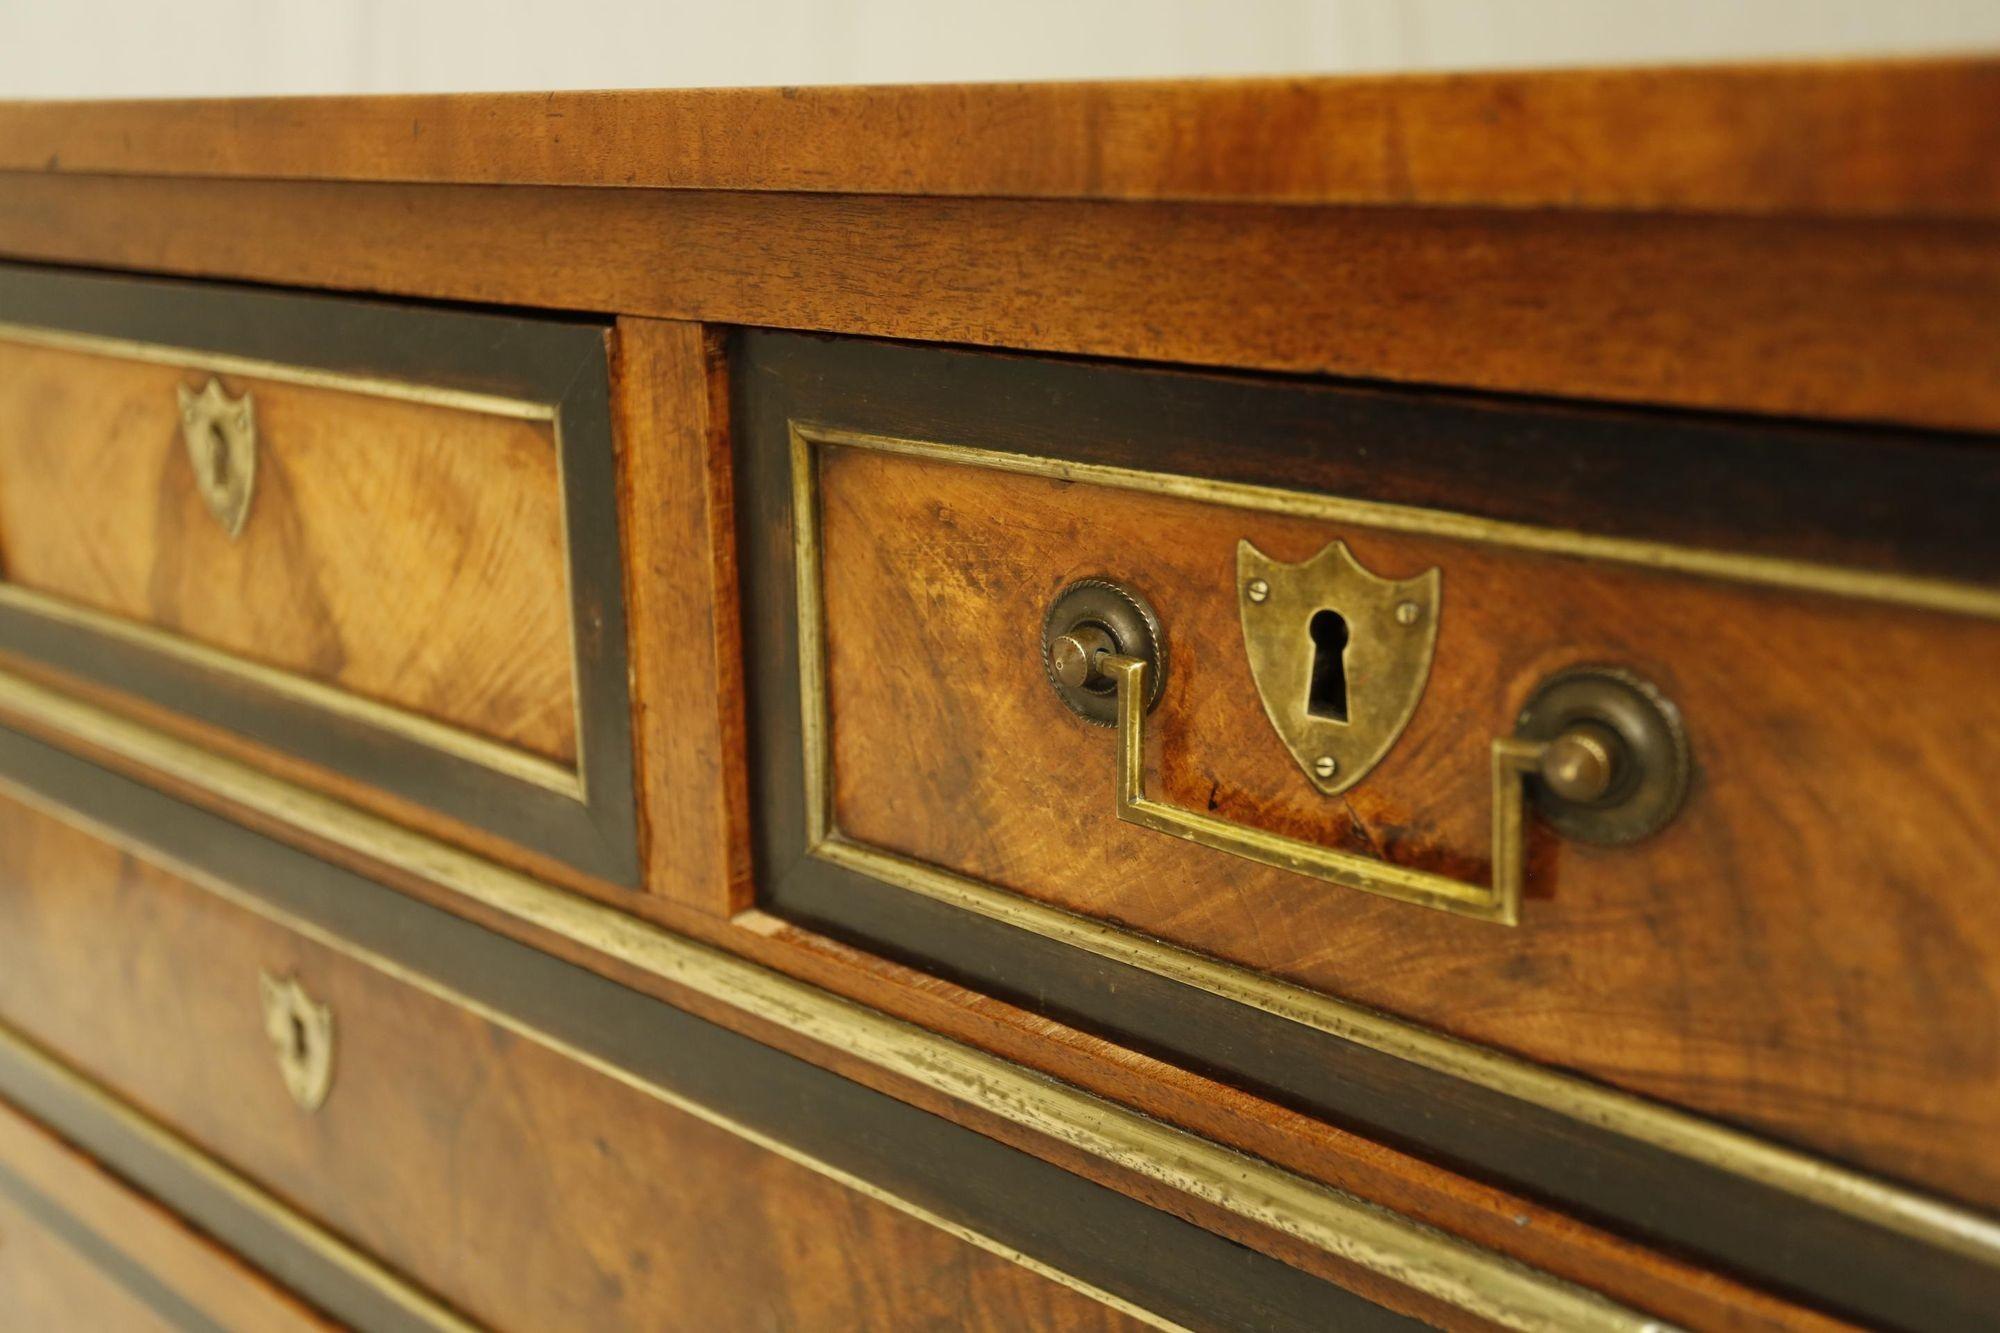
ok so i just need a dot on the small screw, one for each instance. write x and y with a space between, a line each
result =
1258 590
1408 613
1326 766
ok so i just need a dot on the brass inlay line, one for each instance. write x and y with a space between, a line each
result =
1772 571
1329 1219
279 1216
317 695
225 363
1880 1203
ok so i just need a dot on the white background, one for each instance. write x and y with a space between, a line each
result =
136 48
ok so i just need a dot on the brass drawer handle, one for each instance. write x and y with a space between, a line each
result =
301 1030
1600 749
220 433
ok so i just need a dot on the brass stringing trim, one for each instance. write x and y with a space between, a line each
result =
275 1214
224 363
317 695
1332 1220
1803 576
1930 1220
501 758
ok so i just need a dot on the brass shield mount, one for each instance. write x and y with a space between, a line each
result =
221 437
1340 655
301 1033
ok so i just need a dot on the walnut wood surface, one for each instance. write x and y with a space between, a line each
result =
142 1233
1883 320
408 553
680 570
523 1187
1781 957
1915 138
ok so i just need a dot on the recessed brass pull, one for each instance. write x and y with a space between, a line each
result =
301 1030
1613 769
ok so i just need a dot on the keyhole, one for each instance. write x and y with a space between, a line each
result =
298 1038
218 457
1327 694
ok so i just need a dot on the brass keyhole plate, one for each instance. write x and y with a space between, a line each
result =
220 433
1340 655
301 1032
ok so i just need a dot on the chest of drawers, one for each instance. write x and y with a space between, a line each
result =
1287 705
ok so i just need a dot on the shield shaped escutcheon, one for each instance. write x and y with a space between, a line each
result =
1340 655
221 437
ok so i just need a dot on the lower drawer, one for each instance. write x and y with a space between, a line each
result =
79 1249
537 1146
523 1187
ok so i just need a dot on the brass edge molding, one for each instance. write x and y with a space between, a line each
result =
806 566
1928 594
415 727
1404 1251
226 363
1933 1221
275 1213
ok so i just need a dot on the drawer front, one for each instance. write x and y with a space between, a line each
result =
537 1146
1792 933
79 1249
524 1188
336 530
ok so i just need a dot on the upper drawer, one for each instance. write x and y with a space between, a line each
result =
379 539
1341 811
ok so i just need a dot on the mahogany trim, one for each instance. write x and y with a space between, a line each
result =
1881 321
1912 138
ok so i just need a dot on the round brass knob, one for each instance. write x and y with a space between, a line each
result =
1616 766
1089 620
1581 764
1073 656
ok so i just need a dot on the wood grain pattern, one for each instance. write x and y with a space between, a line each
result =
527 1189
144 1234
680 570
1778 958
1914 138
1880 321
408 553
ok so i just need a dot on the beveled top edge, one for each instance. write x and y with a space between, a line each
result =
1907 138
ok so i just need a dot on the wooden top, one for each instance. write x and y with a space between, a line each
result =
1913 139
